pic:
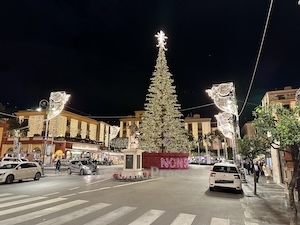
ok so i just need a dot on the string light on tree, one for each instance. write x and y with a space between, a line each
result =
162 127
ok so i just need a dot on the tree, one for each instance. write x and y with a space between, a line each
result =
119 143
162 127
14 126
251 147
280 127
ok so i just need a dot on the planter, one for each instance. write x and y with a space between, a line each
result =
165 160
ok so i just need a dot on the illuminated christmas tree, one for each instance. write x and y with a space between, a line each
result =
162 127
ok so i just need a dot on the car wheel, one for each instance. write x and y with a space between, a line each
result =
81 172
211 188
37 176
69 171
9 179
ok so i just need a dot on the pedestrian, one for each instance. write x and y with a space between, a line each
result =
42 166
57 166
267 172
257 170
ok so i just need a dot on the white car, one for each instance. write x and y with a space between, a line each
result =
225 176
6 160
20 171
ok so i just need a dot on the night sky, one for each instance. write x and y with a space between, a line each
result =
103 52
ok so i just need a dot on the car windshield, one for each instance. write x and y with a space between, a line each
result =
85 162
225 169
9 166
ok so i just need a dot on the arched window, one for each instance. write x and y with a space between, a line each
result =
37 153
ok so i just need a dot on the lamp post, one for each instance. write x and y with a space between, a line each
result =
198 146
53 107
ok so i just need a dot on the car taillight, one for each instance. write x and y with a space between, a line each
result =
212 174
237 177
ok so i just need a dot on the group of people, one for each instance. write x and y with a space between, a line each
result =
258 168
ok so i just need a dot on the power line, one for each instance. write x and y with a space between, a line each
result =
258 57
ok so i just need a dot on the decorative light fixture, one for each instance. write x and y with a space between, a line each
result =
224 98
54 106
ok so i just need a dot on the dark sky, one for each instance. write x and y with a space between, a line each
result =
103 52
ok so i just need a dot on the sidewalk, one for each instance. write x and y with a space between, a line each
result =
269 205
262 188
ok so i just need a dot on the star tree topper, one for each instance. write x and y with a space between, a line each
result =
161 37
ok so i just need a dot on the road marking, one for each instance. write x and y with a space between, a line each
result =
112 216
30 206
137 182
64 196
184 219
40 213
74 188
12 197
98 182
148 218
75 215
249 223
3 205
5 194
219 221
54 193
93 190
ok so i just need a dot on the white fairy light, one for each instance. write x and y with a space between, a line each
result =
161 37
224 97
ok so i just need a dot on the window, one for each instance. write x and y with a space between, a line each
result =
129 162
225 169
24 165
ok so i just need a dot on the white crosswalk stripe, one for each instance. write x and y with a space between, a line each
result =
30 206
6 194
12 197
81 210
184 219
112 216
40 213
219 221
26 200
75 215
148 218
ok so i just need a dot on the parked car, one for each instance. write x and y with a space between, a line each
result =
83 167
7 159
225 176
12 171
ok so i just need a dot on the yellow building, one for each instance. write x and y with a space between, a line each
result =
285 97
74 135
195 125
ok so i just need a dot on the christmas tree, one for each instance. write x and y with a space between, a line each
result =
162 127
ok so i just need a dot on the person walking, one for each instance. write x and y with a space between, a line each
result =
257 171
267 172
57 166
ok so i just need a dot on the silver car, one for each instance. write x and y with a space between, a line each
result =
83 167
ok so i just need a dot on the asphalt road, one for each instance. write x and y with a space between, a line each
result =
175 197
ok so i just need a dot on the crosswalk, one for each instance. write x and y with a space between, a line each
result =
41 210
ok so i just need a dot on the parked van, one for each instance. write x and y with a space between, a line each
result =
6 160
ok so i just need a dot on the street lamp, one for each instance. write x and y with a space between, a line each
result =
54 107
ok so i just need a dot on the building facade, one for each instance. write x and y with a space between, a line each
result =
195 125
286 97
67 136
